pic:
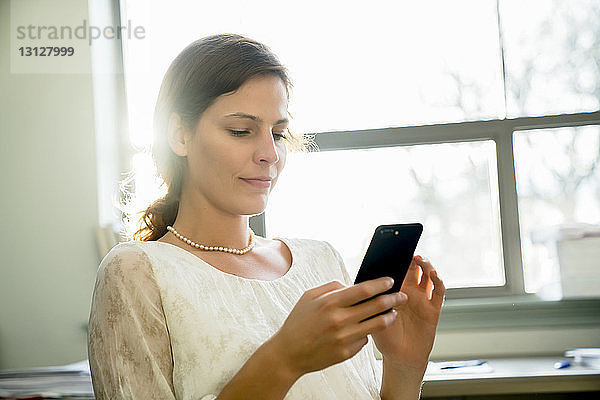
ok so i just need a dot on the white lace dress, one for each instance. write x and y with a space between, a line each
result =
164 324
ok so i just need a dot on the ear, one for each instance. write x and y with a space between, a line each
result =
178 137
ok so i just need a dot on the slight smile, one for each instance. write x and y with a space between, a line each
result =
259 183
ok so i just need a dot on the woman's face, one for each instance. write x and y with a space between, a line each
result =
240 136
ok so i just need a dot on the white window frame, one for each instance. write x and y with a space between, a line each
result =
501 132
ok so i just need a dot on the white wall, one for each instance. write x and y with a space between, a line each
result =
48 256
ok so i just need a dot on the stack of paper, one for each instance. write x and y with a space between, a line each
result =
71 380
590 356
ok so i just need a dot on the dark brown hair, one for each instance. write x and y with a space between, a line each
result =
203 71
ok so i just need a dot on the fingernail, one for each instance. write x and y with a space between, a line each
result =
425 259
402 296
389 282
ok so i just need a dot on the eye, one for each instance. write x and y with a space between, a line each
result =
279 136
237 133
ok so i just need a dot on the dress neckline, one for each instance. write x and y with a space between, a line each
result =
284 241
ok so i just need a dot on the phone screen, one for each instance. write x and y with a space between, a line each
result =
389 254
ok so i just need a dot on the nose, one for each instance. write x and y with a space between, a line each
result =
267 150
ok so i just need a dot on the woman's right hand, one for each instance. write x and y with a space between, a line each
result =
326 326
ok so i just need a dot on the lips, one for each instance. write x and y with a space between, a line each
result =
260 183
260 178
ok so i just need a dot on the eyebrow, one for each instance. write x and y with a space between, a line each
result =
254 117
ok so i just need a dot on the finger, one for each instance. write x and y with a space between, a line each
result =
357 345
362 291
427 268
403 303
323 289
377 305
412 275
439 290
376 324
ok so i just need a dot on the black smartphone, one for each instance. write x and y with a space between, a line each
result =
389 254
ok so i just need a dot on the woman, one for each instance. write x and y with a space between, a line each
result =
201 308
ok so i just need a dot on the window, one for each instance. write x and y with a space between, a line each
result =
551 56
558 182
450 188
417 107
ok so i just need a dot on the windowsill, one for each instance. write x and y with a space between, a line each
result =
517 312
499 300
522 375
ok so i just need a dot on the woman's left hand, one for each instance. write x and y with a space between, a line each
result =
408 341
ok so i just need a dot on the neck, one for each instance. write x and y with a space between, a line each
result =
204 224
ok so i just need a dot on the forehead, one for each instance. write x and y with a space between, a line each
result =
262 96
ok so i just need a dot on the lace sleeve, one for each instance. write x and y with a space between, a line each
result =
128 341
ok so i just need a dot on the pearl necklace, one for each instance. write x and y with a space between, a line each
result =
214 248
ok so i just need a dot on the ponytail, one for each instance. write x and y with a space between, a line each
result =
160 214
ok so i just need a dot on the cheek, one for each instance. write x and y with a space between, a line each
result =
212 153
282 157
205 163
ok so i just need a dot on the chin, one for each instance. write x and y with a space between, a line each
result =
255 209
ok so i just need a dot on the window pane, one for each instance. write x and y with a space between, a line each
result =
558 183
148 187
354 65
341 196
551 56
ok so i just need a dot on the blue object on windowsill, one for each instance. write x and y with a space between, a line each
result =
562 364
462 364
